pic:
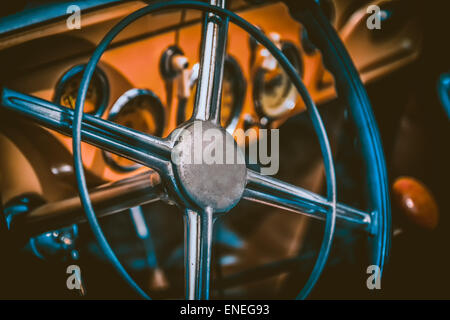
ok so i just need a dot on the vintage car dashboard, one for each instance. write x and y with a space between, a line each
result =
137 83
147 80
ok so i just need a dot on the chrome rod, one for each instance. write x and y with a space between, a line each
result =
148 150
209 89
107 199
191 230
276 193
198 245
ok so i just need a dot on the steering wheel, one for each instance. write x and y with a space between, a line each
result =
205 191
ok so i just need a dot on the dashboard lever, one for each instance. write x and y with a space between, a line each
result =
269 63
184 84
174 66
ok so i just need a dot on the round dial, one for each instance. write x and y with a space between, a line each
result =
96 97
273 93
233 94
140 110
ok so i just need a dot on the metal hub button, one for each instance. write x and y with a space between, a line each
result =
210 167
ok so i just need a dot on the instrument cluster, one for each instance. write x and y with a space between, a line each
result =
147 79
255 91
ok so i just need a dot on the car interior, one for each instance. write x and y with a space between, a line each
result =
346 103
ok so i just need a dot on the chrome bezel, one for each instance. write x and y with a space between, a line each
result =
293 54
239 88
115 110
76 70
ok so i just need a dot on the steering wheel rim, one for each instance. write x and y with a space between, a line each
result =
312 110
349 85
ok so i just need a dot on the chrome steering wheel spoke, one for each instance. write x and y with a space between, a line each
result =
150 151
198 231
276 193
209 92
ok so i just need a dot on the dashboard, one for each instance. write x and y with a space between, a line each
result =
147 80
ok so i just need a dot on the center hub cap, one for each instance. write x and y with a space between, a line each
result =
209 166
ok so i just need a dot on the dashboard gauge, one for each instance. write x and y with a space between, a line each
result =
97 96
137 109
274 95
233 95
